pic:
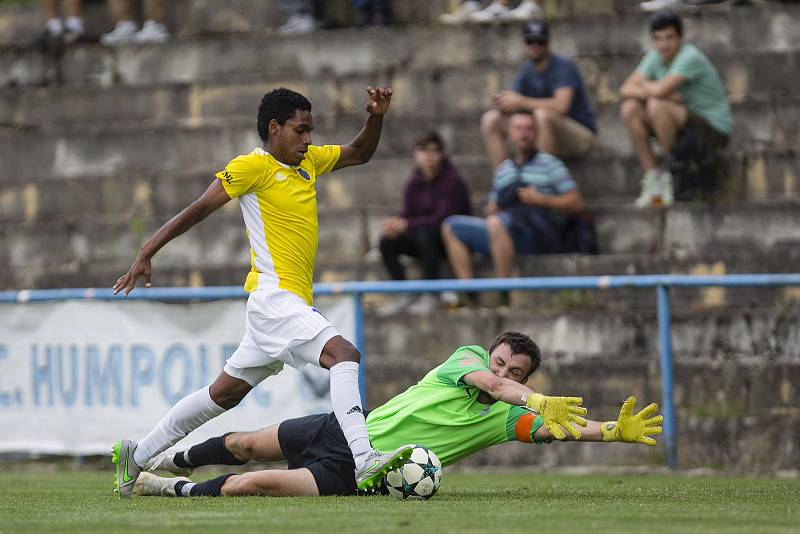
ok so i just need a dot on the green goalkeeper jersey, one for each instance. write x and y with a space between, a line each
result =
442 413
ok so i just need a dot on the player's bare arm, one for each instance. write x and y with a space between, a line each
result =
211 200
362 147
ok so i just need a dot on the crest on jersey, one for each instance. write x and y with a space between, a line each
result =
302 172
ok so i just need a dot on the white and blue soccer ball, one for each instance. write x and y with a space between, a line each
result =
418 479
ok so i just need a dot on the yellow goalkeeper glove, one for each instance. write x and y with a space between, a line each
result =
631 428
558 412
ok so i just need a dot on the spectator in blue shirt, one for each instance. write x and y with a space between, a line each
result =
532 193
550 86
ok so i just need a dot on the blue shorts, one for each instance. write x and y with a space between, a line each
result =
473 232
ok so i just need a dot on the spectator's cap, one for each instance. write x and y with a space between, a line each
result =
536 31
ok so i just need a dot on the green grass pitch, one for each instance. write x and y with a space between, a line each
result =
81 501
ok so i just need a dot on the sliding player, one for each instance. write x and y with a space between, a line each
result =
474 400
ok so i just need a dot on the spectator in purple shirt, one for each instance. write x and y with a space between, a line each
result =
434 191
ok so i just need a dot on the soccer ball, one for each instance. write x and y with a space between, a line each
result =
419 478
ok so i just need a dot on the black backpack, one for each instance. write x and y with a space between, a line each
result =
579 234
696 168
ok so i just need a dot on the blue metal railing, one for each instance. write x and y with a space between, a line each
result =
662 284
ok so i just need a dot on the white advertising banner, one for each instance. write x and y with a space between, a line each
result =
77 375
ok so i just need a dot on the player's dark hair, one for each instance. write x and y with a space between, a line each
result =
279 104
664 19
520 344
430 138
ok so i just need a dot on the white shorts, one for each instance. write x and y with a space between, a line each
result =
280 328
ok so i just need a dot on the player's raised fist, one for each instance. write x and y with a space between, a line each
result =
379 100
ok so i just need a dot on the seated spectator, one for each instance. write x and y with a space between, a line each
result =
658 5
154 30
434 191
70 29
674 87
549 86
308 17
532 193
496 11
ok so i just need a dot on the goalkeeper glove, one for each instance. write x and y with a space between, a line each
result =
558 412
631 428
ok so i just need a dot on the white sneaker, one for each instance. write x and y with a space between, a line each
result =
166 462
666 190
649 188
424 305
400 303
152 32
122 33
449 299
657 5
462 14
297 24
526 10
149 485
494 12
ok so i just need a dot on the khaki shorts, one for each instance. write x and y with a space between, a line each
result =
574 138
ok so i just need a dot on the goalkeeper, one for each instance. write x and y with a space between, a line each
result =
475 399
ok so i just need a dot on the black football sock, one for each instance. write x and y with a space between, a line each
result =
210 452
209 488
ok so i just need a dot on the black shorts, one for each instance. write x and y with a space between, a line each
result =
317 443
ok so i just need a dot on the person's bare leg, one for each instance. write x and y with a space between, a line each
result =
261 445
547 135
122 10
51 9
272 483
501 245
74 8
666 118
493 133
635 119
457 253
154 10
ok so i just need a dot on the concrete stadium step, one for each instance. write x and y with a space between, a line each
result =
767 230
419 92
23 22
757 175
320 53
64 152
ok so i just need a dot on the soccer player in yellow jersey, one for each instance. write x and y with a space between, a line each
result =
275 184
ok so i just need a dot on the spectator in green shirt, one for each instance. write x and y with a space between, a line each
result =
675 86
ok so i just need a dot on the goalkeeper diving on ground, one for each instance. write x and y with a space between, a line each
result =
476 399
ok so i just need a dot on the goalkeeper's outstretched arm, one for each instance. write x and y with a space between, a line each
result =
628 428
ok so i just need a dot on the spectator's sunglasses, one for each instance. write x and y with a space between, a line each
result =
534 39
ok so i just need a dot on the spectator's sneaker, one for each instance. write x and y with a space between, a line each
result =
658 5
166 462
377 464
400 303
148 485
122 33
649 188
494 12
462 14
424 305
526 10
127 470
297 24
665 195
74 36
449 299
151 32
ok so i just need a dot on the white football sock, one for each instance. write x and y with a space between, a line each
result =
346 402
188 414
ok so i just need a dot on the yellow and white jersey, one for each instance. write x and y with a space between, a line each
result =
279 204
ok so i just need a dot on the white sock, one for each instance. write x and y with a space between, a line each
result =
74 24
346 402
188 414
55 26
186 490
